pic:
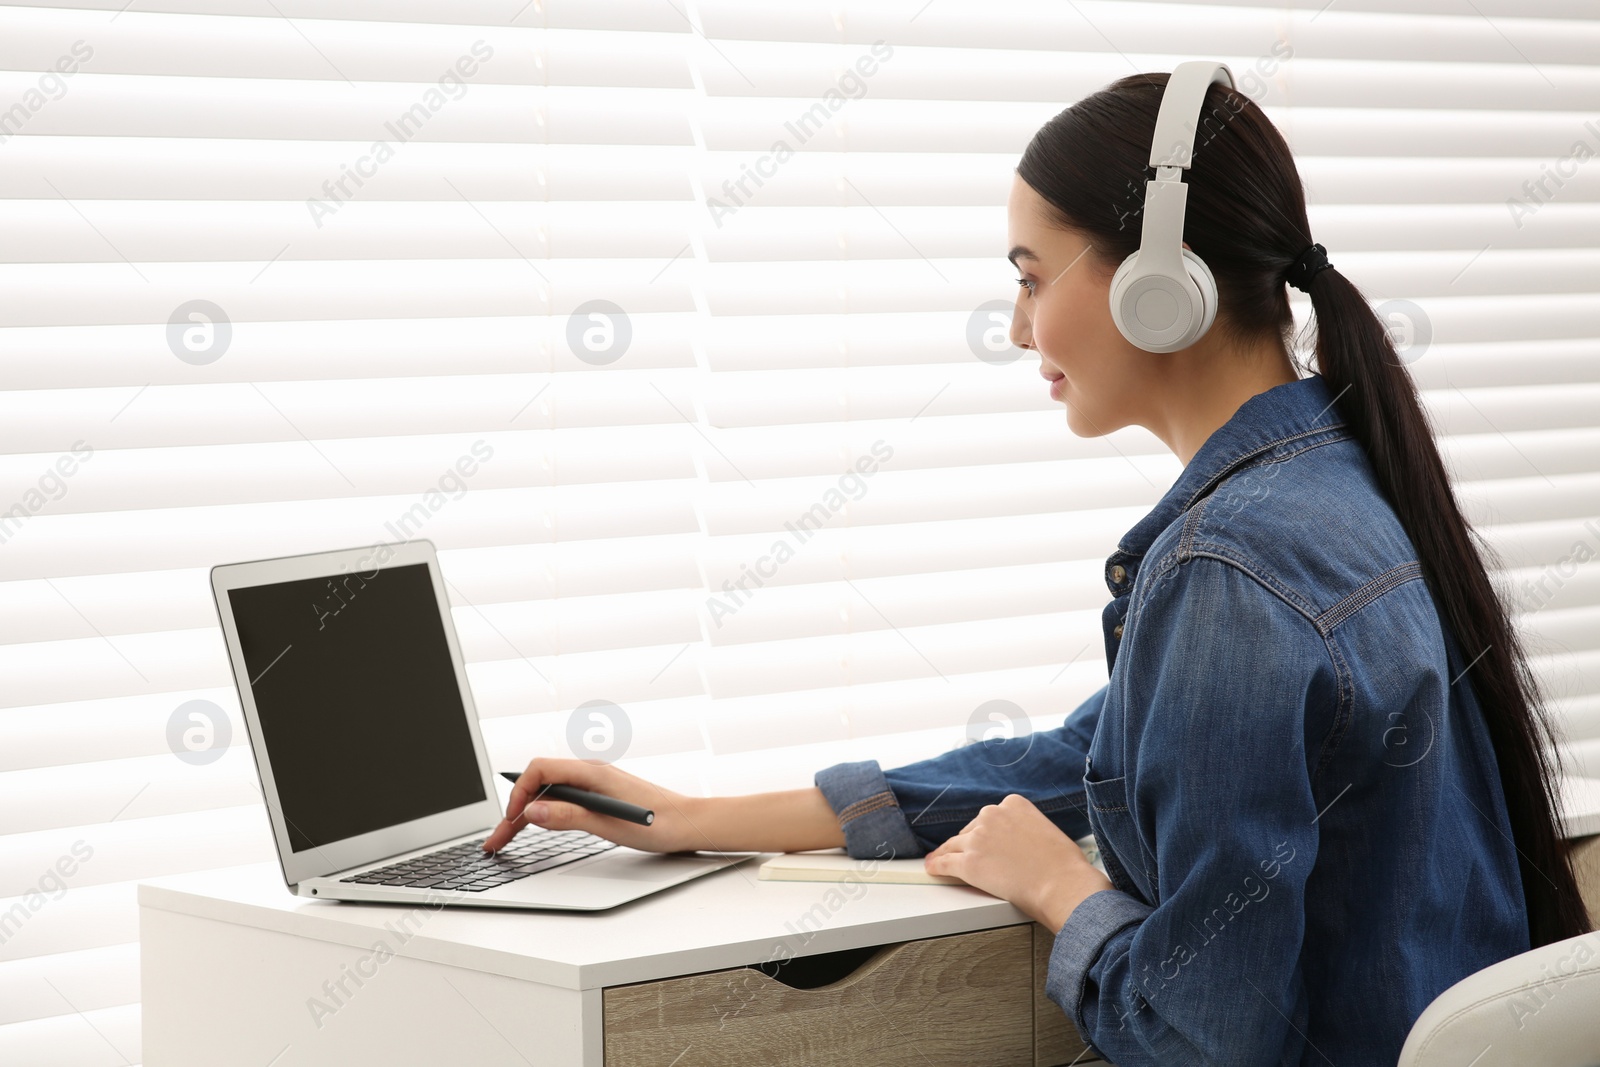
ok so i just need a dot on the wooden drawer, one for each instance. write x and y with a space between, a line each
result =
1586 865
958 1000
1055 1038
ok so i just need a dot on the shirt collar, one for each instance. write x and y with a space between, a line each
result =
1291 410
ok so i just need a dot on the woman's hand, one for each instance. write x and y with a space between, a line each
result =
1013 851
673 829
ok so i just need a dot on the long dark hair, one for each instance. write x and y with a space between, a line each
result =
1246 218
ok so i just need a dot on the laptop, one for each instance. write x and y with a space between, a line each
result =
374 772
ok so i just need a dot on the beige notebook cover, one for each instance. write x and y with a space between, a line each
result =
832 865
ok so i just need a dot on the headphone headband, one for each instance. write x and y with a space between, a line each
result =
1171 153
1178 121
1164 297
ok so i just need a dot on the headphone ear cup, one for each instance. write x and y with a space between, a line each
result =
1200 315
1194 306
1119 282
1203 280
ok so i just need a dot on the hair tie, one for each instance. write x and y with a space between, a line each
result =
1305 268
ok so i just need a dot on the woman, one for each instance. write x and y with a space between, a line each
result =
1318 773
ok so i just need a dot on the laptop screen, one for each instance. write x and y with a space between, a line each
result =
357 697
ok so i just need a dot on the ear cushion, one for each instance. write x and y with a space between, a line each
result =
1158 312
1203 280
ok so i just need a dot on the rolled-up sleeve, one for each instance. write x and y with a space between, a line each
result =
1218 683
910 810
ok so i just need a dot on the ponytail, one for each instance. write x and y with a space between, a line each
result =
1378 399
1246 217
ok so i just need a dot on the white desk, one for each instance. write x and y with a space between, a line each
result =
237 970
1580 804
231 961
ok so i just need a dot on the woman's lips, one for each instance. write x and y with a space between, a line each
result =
1054 377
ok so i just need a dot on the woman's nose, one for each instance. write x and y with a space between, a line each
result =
1021 329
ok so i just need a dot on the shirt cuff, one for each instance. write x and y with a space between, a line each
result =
1079 943
874 825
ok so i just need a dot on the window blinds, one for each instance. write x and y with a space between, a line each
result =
701 293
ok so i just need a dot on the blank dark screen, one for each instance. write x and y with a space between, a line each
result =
357 696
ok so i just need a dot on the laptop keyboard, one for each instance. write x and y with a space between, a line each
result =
467 868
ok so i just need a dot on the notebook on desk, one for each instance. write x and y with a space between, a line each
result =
833 865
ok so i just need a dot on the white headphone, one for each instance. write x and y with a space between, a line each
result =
1163 297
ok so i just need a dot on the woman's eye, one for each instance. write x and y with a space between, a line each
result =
1027 284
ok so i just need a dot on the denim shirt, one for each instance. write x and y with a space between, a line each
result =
1289 777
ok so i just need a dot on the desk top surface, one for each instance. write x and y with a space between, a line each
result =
728 918
1580 805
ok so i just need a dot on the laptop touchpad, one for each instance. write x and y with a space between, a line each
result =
635 866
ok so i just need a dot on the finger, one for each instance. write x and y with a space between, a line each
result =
526 783
557 816
503 833
545 771
560 815
540 774
1020 804
536 776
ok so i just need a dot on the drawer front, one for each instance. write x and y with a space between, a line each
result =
1056 1040
1586 863
956 1001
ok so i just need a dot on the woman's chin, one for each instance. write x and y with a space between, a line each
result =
1079 423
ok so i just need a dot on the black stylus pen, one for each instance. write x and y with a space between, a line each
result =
603 805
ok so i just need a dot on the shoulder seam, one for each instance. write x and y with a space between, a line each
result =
1371 590
1208 550
1195 509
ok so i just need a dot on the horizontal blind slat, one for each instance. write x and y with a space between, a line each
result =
89 979
116 291
133 105
570 14
72 1038
268 46
260 169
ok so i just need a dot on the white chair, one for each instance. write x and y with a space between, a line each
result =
1539 1009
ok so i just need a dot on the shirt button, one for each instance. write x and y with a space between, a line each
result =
1116 631
1119 574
